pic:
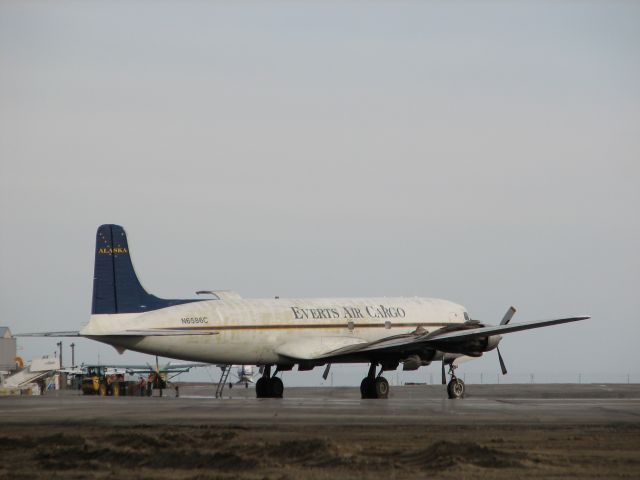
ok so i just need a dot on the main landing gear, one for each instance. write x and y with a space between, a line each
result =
374 387
269 386
455 387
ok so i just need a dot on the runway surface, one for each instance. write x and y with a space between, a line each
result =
497 432
424 405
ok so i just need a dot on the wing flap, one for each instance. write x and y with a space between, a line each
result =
316 347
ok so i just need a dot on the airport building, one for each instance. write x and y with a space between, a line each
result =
16 378
7 351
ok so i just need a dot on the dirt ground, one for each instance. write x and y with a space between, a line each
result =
335 452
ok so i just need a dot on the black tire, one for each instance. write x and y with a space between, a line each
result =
381 387
368 388
262 387
455 389
276 387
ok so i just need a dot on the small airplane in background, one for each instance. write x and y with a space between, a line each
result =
279 334
244 374
110 379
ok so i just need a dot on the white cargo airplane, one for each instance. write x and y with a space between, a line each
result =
283 333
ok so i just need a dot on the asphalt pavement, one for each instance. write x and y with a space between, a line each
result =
553 404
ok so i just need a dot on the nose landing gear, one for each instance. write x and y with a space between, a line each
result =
455 387
269 386
374 387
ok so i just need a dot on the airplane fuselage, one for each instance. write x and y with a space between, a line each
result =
271 331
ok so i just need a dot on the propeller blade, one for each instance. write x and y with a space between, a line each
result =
444 375
508 316
502 366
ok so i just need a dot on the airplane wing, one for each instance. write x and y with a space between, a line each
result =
501 329
417 339
177 368
162 369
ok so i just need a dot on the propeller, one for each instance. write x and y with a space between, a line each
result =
505 320
502 366
509 315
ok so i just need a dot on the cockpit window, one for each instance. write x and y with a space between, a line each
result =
466 316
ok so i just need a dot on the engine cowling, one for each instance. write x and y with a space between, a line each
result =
492 342
473 348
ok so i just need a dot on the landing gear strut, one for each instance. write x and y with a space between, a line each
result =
372 386
455 387
269 386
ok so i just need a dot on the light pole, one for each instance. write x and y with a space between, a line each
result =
61 378
73 356
59 344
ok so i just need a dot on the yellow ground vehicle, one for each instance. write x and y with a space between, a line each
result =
96 381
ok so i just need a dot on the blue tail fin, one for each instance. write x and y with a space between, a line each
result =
116 288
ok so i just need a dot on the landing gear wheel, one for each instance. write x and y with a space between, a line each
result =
276 387
262 387
368 388
381 387
455 388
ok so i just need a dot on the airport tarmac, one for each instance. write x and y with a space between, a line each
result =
498 431
408 405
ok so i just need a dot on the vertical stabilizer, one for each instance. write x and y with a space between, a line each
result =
116 288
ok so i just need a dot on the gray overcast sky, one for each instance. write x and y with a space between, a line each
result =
483 152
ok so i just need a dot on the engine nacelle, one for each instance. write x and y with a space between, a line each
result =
472 348
492 342
413 362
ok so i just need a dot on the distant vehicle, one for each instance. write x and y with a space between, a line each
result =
282 333
97 381
110 380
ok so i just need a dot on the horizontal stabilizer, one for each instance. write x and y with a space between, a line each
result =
153 332
72 333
